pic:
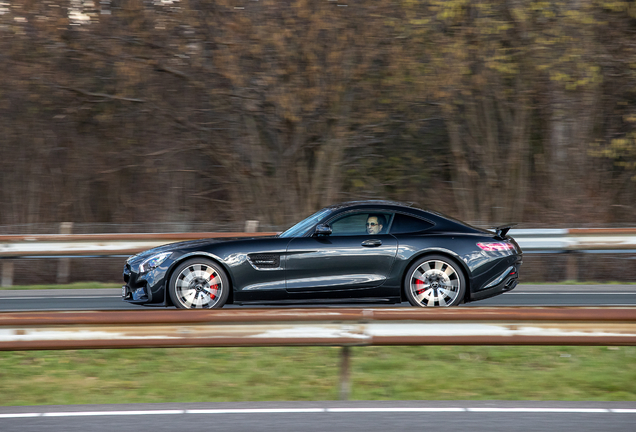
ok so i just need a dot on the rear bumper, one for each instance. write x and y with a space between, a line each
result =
506 281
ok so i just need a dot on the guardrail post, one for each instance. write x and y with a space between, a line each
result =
251 226
345 385
572 267
64 265
7 273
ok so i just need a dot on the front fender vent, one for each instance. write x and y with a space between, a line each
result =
265 261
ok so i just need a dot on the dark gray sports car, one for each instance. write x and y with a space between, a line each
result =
373 251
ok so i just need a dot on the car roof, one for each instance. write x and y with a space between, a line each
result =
370 202
388 205
440 219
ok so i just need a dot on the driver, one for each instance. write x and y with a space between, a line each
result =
375 223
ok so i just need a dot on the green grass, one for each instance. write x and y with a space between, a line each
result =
312 373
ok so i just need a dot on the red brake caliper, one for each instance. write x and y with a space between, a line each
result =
214 288
418 289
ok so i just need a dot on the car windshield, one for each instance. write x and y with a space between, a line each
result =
301 227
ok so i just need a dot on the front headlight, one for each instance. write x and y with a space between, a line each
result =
153 262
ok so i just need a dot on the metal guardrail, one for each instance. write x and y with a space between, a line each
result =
65 246
312 327
78 245
576 240
338 327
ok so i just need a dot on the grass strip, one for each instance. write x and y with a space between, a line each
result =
312 373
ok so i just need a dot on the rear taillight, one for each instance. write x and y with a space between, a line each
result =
496 247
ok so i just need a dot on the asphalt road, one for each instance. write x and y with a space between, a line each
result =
523 295
381 416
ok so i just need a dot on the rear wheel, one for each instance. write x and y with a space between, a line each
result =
199 283
434 280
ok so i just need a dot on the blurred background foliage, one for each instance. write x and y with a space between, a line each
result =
159 111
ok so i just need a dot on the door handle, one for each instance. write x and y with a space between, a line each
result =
372 243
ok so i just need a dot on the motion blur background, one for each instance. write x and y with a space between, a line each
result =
168 115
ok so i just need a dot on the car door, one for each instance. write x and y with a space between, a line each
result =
349 258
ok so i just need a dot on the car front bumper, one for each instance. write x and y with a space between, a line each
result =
147 288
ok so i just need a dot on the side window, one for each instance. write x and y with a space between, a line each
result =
408 224
356 224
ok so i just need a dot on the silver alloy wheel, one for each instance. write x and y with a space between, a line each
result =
435 283
198 286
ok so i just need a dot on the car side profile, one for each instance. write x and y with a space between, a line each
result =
371 251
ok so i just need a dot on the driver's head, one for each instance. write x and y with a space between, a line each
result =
375 223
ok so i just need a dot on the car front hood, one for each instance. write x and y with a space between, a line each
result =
173 247
184 245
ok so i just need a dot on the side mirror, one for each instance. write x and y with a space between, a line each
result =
322 229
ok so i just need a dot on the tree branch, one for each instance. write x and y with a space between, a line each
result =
101 95
175 72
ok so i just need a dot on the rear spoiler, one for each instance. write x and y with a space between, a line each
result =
501 231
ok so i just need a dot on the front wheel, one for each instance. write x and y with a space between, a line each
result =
434 280
199 283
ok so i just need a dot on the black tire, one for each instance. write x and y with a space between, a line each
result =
199 283
434 281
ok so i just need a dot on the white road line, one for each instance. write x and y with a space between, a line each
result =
357 410
257 411
541 410
111 413
320 410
